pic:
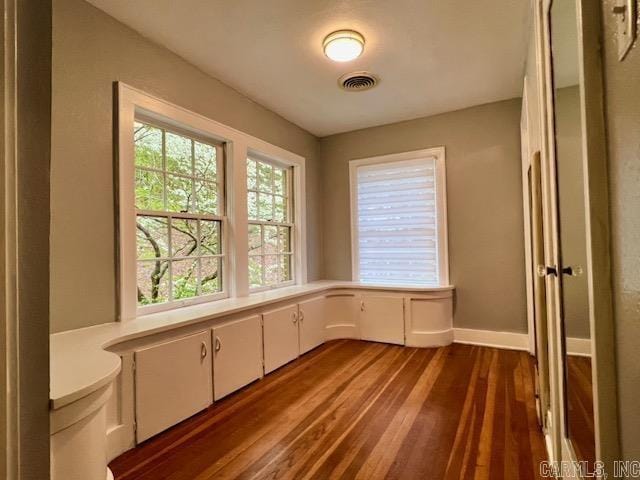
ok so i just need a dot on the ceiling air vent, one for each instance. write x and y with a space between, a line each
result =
357 81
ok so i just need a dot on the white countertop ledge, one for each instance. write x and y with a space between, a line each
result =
80 364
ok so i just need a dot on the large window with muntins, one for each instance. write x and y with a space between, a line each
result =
179 201
269 208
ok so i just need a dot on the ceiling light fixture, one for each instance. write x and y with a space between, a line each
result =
343 45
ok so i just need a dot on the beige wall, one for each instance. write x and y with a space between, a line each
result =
484 205
622 112
90 51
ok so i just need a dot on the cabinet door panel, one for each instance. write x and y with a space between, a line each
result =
237 359
342 312
280 333
312 322
173 382
382 319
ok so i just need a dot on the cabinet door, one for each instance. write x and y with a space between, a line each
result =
173 382
382 319
342 311
311 319
237 358
280 334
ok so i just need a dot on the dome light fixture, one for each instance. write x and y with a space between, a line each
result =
343 45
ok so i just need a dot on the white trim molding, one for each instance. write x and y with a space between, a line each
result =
579 347
489 338
438 153
130 103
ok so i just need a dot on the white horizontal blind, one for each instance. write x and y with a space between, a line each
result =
397 221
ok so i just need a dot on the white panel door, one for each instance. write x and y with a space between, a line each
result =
173 382
280 335
311 317
382 319
237 358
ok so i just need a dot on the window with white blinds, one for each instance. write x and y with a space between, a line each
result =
400 222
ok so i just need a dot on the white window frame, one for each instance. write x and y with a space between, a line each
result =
291 204
131 104
441 204
220 216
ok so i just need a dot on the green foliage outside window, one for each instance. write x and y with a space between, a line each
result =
179 257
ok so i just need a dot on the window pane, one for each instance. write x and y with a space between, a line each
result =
185 278
284 234
153 282
152 237
184 237
270 239
255 239
271 269
207 197
179 194
148 145
209 238
265 206
285 268
280 209
255 271
205 161
252 175
252 206
178 153
265 177
280 181
210 275
149 187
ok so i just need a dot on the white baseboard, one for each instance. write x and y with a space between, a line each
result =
489 338
514 341
580 347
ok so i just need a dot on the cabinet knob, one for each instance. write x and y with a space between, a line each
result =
362 306
301 316
218 344
203 350
294 317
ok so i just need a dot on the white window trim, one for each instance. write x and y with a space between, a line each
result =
291 206
130 103
441 201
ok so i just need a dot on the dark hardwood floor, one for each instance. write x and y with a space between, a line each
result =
580 404
358 410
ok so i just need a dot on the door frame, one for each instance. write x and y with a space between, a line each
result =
24 248
597 235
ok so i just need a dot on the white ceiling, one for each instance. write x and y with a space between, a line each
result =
432 56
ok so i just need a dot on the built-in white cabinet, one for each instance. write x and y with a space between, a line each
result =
237 358
381 318
173 381
311 321
280 336
291 331
341 315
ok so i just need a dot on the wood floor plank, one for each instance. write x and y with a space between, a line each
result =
360 410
